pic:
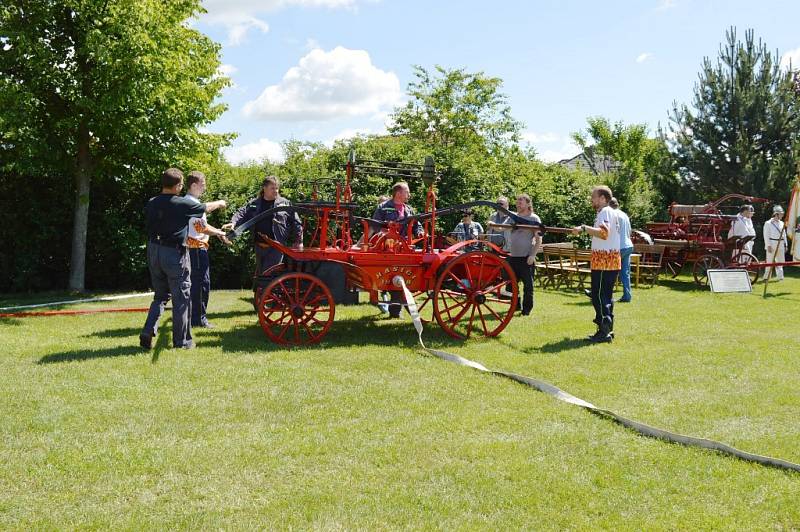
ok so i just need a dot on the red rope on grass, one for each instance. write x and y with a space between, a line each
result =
68 312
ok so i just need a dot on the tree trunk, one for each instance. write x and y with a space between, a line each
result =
80 222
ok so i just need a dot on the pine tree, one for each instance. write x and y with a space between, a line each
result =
741 133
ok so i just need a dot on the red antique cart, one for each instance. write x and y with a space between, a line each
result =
697 234
460 290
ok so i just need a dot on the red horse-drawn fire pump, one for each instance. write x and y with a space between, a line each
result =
462 291
697 234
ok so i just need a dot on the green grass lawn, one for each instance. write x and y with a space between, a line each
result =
366 432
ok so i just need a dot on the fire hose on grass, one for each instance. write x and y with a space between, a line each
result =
561 395
34 313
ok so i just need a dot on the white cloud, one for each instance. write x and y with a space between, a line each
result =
641 58
791 57
663 5
255 152
328 85
241 16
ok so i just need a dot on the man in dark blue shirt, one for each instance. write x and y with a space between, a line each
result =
167 218
283 226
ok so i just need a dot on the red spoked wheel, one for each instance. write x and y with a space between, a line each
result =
296 309
467 297
701 267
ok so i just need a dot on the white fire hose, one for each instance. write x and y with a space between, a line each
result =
561 395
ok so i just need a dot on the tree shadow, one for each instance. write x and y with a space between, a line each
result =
11 321
81 355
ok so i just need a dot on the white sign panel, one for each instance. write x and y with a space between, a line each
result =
729 281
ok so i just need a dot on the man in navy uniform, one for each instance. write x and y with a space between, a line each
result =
281 226
168 217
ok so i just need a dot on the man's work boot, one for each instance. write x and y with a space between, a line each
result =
605 333
146 341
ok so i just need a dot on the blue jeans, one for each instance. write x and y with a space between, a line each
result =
625 273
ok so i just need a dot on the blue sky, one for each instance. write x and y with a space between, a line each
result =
326 69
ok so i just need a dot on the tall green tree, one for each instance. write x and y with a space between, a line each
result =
631 162
99 91
742 128
465 122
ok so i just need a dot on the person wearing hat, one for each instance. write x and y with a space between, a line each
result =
742 227
283 227
775 242
468 230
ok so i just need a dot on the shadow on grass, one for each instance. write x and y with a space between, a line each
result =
680 285
127 332
346 332
565 344
11 321
81 355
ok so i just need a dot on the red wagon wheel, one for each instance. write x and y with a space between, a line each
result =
296 309
747 261
467 297
701 267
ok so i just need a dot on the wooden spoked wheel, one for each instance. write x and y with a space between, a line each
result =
747 261
701 267
467 297
296 309
673 263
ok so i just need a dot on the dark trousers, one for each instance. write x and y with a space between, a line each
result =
201 285
170 275
524 273
602 297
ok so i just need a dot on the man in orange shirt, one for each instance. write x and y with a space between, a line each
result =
197 241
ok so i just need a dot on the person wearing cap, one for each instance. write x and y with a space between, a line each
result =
283 226
198 242
625 250
168 216
775 242
742 227
468 230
